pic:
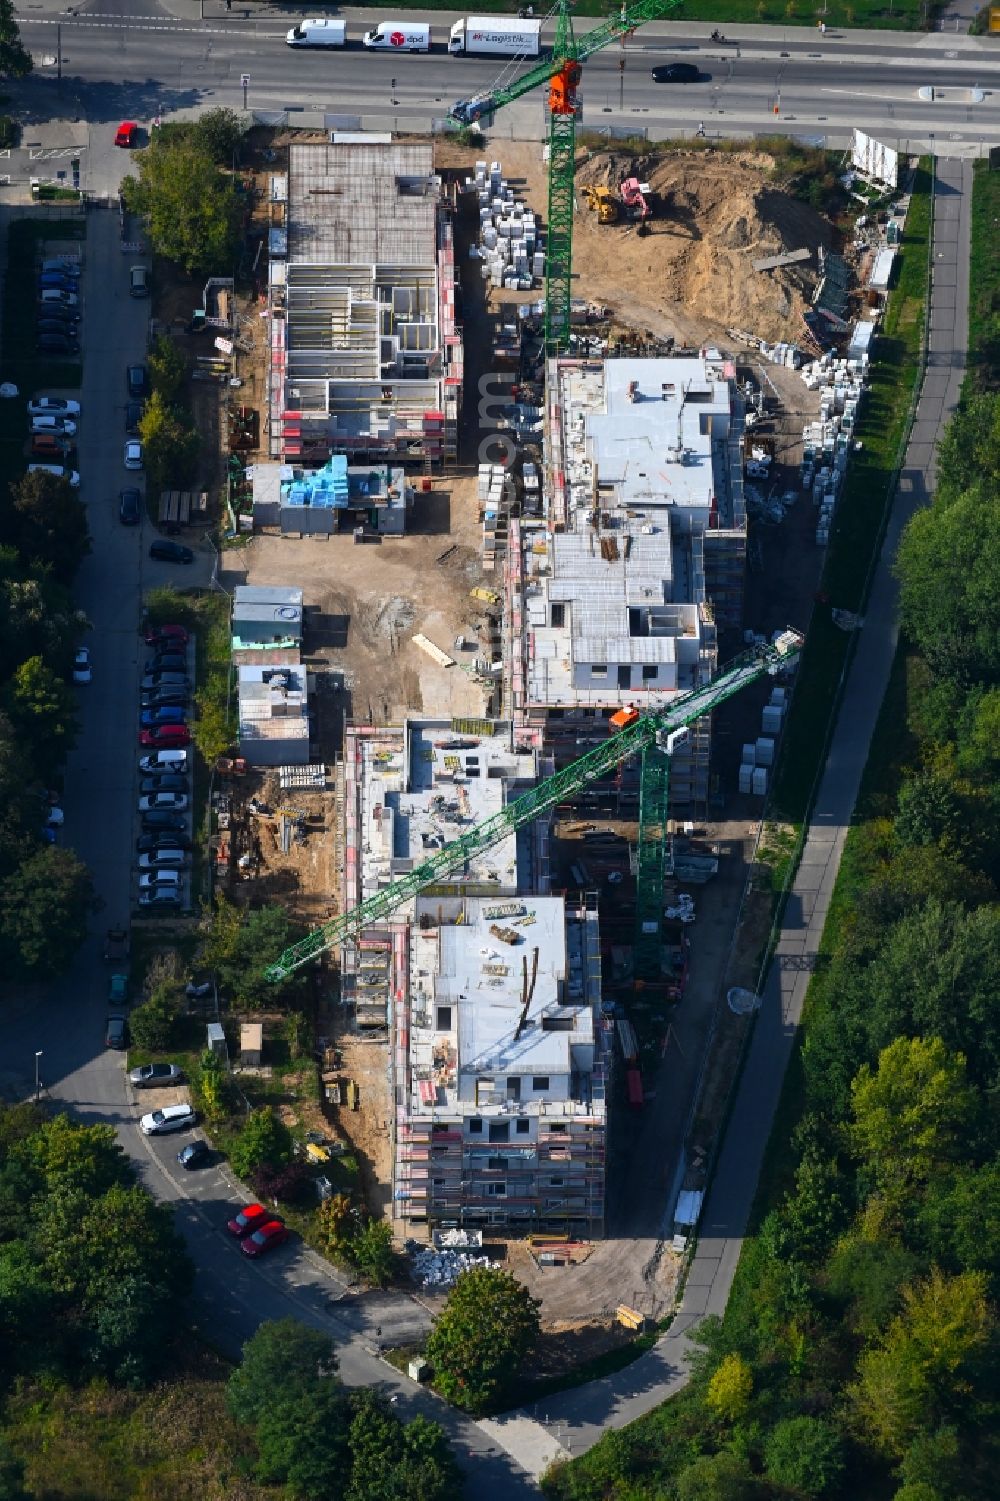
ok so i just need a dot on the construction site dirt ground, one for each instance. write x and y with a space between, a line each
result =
690 278
366 602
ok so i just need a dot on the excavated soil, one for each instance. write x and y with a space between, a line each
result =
691 276
716 213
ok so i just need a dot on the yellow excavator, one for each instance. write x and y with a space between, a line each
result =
603 202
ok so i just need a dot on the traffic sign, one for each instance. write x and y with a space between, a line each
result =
244 80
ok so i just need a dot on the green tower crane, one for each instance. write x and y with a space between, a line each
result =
636 733
562 71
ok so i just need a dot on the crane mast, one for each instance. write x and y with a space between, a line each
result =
561 72
639 732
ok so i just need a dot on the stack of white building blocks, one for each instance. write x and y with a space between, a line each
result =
508 235
827 442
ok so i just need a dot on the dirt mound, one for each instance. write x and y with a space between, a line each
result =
715 213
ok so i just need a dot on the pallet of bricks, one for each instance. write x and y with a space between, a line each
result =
508 235
490 492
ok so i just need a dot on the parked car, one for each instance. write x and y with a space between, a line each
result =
158 633
133 453
138 281
165 735
152 878
129 507
163 860
265 1239
81 666
168 644
164 823
163 698
146 843
166 661
137 381
171 552
127 134
53 406
59 470
163 802
195 1154
170 1118
67 318
133 416
676 73
160 896
53 448
249 1219
170 760
154 1075
58 297
57 344
163 714
54 423
154 680
167 781
57 281
65 263
115 1031
118 991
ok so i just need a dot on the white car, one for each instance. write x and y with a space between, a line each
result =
54 424
164 760
163 860
170 1118
81 666
151 879
173 802
53 406
133 453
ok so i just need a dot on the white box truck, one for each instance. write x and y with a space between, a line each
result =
398 36
313 33
495 36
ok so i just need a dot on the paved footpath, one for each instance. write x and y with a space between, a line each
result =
570 1423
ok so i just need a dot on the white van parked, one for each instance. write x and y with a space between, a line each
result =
313 33
58 471
398 36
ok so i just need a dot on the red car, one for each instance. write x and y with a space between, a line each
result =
166 736
127 134
171 633
271 1234
249 1219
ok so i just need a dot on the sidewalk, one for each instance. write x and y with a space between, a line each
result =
577 1419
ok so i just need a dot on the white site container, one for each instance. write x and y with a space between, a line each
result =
770 719
759 781
749 757
746 778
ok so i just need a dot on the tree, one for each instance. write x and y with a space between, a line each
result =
264 1142
282 1356
716 1477
192 209
930 812
51 523
730 1388
303 1441
168 369
393 1463
215 727
805 1455
371 1252
949 572
44 907
923 1365
218 132
334 1220
482 1336
154 1024
240 945
11 1475
170 446
42 707
910 1114
867 1278
15 59
64 1155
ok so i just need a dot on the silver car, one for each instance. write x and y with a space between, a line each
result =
170 1118
155 1075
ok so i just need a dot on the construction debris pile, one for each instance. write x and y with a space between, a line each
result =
508 236
440 1269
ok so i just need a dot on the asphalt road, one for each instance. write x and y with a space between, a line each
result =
161 60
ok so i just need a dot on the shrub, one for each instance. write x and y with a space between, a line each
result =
264 1142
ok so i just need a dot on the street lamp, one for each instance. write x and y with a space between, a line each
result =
38 1086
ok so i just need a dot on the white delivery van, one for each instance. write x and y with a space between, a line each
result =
495 36
313 33
58 471
398 36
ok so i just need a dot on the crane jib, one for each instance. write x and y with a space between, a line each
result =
558 788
